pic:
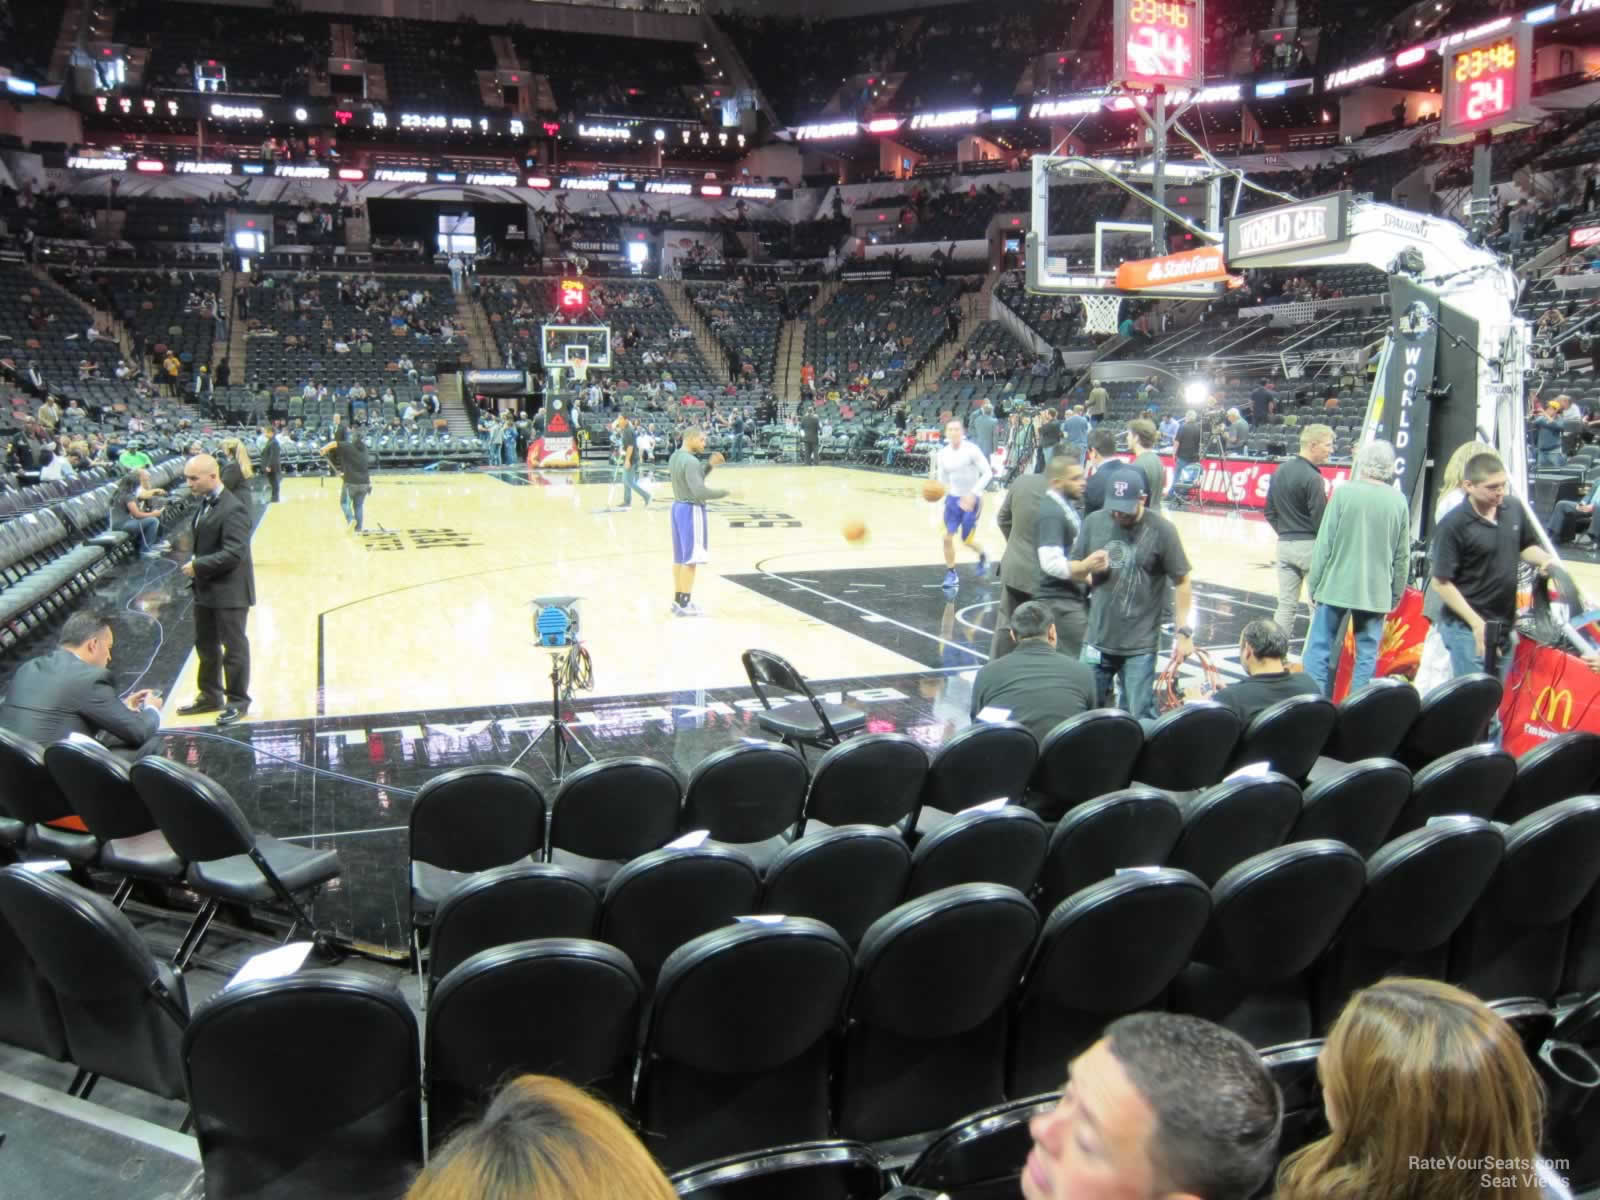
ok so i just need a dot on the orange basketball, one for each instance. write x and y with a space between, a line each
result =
932 490
854 530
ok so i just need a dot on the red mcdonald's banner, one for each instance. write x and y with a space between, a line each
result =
1187 266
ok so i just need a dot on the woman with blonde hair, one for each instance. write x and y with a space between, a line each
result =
1417 1069
543 1139
235 469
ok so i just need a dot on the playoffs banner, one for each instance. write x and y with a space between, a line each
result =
1399 413
1548 692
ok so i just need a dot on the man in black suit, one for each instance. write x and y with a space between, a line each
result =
70 691
272 459
1019 565
224 589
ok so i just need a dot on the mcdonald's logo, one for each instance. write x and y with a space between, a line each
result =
1549 703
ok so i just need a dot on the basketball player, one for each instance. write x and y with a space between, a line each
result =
965 472
689 496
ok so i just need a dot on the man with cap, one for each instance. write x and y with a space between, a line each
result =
1130 555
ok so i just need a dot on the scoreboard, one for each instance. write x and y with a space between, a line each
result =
1488 85
1159 42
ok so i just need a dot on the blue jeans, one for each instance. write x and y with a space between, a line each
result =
1550 458
630 485
1138 675
1178 465
357 499
1323 636
1464 657
149 530
345 505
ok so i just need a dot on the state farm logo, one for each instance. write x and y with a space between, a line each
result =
1168 269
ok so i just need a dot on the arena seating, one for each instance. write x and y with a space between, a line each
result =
615 76
426 62
746 320
44 325
28 35
265 51
848 339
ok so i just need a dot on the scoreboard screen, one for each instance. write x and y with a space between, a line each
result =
1488 85
1159 42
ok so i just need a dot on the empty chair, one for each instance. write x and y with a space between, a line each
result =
1453 715
1002 845
306 1085
808 879
1226 824
926 1026
1514 942
874 779
1356 804
1420 887
1293 1067
663 899
987 761
983 1153
29 1016
122 1012
1110 949
611 811
1134 827
740 1040
1271 917
804 720
510 904
568 1007
1563 767
1188 748
228 861
834 1168
1473 780
30 795
465 820
1288 735
747 796
1089 755
96 784
1374 721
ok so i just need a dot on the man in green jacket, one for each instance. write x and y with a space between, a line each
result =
1358 567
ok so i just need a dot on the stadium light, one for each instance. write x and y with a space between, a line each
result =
1196 392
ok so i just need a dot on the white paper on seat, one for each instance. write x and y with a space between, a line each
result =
689 841
762 919
270 964
1250 771
46 866
1137 870
80 738
991 713
986 806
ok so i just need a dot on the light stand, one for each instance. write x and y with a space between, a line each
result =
556 623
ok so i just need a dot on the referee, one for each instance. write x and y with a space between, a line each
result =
689 496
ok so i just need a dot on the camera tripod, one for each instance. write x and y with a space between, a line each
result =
569 669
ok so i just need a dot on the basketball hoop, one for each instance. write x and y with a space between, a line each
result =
1100 312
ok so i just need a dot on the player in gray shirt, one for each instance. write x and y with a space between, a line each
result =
689 525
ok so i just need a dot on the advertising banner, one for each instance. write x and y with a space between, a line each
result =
1400 409
1548 692
1242 482
1399 647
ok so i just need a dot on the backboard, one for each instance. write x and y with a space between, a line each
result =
595 340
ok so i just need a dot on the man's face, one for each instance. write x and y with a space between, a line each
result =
201 479
1073 483
1489 493
1129 520
1094 1144
99 649
1319 450
952 433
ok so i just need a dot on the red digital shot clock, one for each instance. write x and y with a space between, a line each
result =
1487 86
1159 42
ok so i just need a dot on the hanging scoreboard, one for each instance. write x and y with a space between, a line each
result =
1488 85
1159 42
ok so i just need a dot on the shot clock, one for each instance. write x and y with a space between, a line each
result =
1159 42
1488 85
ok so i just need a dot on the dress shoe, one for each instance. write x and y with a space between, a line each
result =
200 705
233 714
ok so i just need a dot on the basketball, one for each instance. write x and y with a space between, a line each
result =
932 490
854 530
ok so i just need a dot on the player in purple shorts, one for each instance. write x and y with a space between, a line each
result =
689 524
965 472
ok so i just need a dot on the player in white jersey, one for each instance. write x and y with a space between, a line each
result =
965 472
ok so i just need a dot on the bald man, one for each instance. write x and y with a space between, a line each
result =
224 583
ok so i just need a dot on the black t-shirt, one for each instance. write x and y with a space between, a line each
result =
1127 602
809 425
1050 434
1260 402
630 441
1188 439
1480 557
1249 696
1057 525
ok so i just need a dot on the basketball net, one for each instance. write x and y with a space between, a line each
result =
1100 312
578 368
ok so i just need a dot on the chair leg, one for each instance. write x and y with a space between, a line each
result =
82 1086
77 1082
196 933
120 896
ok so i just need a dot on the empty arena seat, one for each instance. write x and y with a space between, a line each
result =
982 1154
926 1026
835 1168
1089 755
1227 823
1374 721
307 1085
29 1015
29 794
1134 827
1453 715
1188 748
1473 780
1565 766
122 1012
97 786
986 761
804 880
874 779
985 845
801 722
611 811
1358 805
1288 735
568 1007
1111 948
740 1040
748 796
516 903
1420 888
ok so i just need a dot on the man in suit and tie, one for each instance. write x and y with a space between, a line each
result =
1019 565
224 585
271 459
70 690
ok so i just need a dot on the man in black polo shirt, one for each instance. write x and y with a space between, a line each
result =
1039 687
1050 435
1296 498
1263 647
1476 549
1261 403
1055 530
1186 448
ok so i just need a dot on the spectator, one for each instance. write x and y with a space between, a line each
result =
1418 1069
1296 499
1075 429
1163 1104
54 467
1034 685
129 512
1547 437
1358 567
1263 652
1261 403
543 1139
983 429
1099 399
1237 430
1185 447
1142 441
1050 435
1102 465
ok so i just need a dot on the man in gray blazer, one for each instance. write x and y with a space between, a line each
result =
1019 566
70 690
